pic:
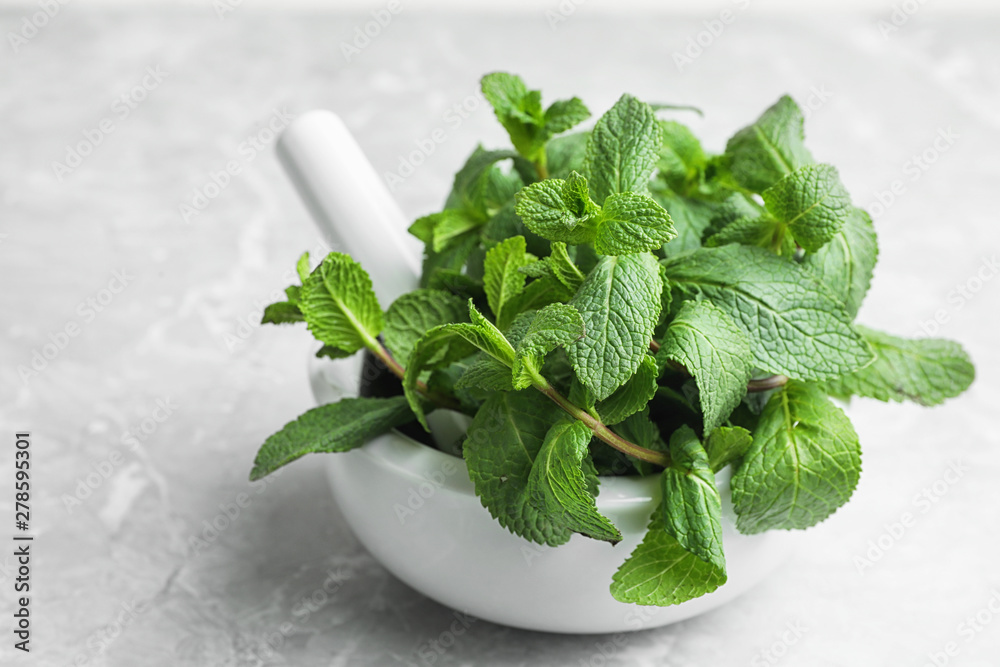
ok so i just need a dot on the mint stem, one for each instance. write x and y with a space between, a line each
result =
599 428
383 355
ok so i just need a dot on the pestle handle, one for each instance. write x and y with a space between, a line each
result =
349 202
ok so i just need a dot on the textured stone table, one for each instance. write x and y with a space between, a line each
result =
147 417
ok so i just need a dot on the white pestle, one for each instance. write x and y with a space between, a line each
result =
356 213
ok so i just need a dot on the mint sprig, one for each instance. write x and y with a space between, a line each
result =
621 301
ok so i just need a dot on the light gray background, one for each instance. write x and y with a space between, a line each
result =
169 334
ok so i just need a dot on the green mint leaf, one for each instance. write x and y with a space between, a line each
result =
480 188
502 444
334 427
923 370
681 159
565 114
332 352
503 278
486 373
620 305
339 305
794 325
631 223
302 267
567 154
804 462
282 312
643 431
440 230
563 268
559 489
414 314
690 218
519 110
706 341
845 264
763 231
725 445
632 396
761 154
661 572
811 202
555 325
692 507
558 210
623 149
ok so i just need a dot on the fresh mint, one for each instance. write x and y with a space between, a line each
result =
620 300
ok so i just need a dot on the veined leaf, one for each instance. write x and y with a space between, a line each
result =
339 304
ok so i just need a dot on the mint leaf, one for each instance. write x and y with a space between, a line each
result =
563 268
331 352
518 110
763 231
440 230
661 572
725 445
503 279
681 160
565 114
632 396
641 430
503 442
558 487
413 314
845 264
567 154
689 217
623 149
631 223
706 341
302 267
486 373
548 208
334 427
339 305
923 370
804 462
563 211
556 325
620 304
282 312
692 507
794 325
480 188
446 344
811 202
761 154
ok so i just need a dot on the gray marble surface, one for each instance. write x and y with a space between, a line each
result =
145 421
